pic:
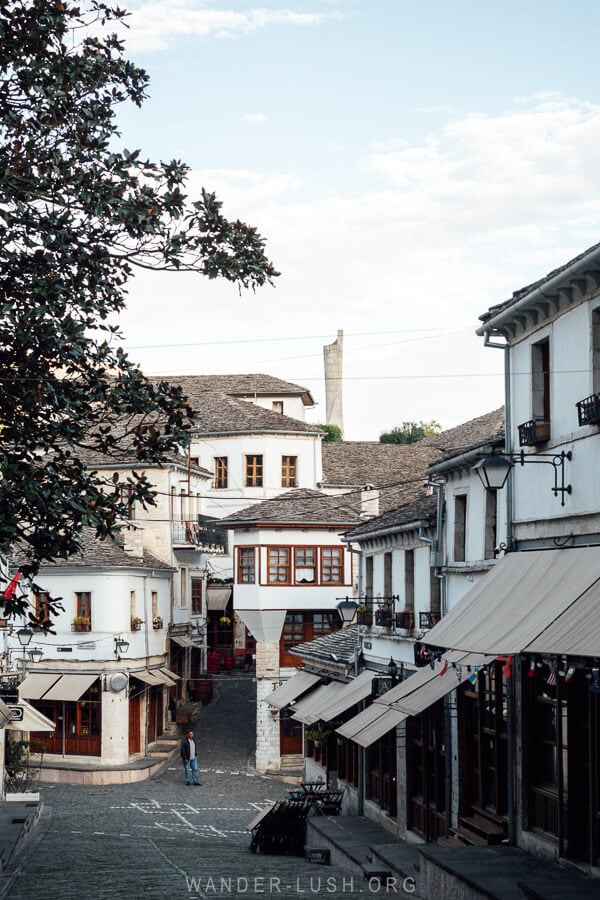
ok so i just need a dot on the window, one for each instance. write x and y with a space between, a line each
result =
369 577
279 565
125 492
183 586
220 480
540 381
132 613
304 626
173 503
196 596
491 516
387 575
254 470
277 406
409 579
42 609
596 350
83 605
460 523
246 565
305 565
435 595
332 565
154 605
289 468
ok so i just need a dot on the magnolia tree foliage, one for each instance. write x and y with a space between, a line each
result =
78 216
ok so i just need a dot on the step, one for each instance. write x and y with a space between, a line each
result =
470 838
489 831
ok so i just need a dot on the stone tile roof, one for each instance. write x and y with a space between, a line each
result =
304 506
517 295
421 509
341 644
220 413
100 553
398 470
237 385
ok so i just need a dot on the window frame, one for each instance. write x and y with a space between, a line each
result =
289 471
83 604
285 566
298 550
221 472
253 470
459 537
242 568
324 565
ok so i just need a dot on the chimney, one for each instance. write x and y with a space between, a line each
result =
133 542
369 502
332 355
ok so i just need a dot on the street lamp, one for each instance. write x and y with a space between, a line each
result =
35 655
121 646
347 610
24 635
493 470
392 670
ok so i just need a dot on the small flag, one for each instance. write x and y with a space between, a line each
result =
473 676
444 668
551 679
531 673
11 589
432 660
595 685
570 673
459 672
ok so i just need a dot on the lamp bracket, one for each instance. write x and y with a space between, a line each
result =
557 461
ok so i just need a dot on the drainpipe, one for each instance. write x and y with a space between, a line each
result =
516 670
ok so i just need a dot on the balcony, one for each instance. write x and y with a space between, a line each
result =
384 616
588 410
536 431
205 534
427 620
405 619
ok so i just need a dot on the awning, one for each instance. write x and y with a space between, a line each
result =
171 677
308 710
154 677
292 689
32 719
70 687
181 640
576 631
379 727
361 720
217 597
36 684
521 597
263 624
429 691
349 695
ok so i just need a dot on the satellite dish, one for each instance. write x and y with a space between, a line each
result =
118 682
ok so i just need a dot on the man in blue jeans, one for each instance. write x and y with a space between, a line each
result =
189 758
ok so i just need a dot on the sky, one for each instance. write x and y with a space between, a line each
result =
410 164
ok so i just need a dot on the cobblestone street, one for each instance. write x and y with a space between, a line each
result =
161 838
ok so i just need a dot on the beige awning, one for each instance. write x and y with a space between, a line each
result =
218 597
36 684
576 631
171 677
32 719
521 597
291 689
153 678
181 640
308 710
263 624
349 695
429 692
361 720
379 727
70 687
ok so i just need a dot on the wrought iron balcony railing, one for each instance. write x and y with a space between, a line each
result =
204 533
588 410
534 432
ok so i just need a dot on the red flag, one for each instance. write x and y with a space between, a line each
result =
11 589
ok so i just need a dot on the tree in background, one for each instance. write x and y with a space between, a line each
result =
410 432
332 433
78 216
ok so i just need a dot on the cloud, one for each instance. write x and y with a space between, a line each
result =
255 118
155 25
441 228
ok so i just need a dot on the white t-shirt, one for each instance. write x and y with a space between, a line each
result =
192 748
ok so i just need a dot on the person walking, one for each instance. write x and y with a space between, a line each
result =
189 758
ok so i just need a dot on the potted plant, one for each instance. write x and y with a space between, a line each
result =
319 738
365 614
82 623
157 623
136 623
224 621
